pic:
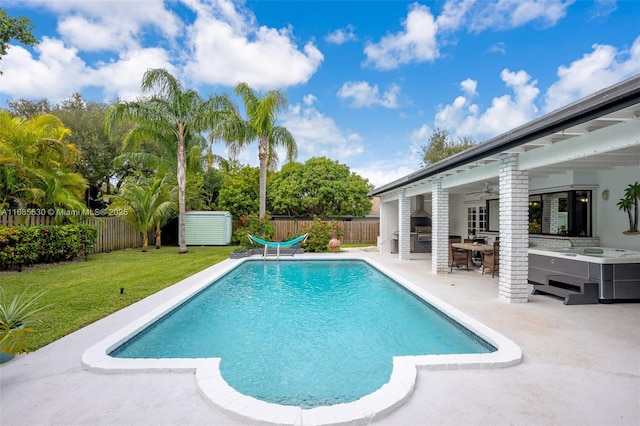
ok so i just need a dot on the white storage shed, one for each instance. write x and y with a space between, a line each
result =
208 228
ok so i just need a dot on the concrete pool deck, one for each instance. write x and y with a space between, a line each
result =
581 366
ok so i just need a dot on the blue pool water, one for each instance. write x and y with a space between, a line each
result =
303 333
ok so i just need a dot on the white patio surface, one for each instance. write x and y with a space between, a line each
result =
581 366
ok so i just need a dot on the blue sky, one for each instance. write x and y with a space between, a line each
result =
367 82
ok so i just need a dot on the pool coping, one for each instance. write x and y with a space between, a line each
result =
217 391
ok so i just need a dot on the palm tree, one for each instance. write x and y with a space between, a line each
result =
148 203
36 163
260 124
169 116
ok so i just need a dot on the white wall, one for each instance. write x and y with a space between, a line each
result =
388 224
611 221
458 215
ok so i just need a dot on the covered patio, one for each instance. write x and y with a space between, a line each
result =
584 154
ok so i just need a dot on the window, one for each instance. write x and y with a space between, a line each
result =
566 213
471 220
535 214
476 219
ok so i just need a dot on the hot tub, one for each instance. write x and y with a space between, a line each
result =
617 271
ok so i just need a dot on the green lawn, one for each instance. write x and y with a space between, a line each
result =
83 292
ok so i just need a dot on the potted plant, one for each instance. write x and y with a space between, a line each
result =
629 203
562 230
16 318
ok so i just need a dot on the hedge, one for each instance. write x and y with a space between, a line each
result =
28 245
320 233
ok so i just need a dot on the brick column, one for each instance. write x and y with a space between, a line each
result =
439 227
404 226
514 230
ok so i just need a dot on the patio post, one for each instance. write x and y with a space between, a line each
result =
514 231
439 227
404 231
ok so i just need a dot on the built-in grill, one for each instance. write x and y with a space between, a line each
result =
421 227
420 217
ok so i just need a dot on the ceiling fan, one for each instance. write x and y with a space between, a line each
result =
487 190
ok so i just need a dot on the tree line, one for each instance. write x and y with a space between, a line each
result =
154 158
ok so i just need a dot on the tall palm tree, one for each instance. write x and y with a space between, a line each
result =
170 115
260 125
149 204
36 164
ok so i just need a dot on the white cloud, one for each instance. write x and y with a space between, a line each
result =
309 100
110 25
499 47
463 117
382 172
601 68
362 94
418 40
421 134
453 14
91 36
122 77
416 43
505 14
224 46
57 71
469 87
395 165
55 75
603 8
342 35
228 47
318 135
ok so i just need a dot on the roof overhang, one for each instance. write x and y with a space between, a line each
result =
612 110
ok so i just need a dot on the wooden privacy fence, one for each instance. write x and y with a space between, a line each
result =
113 232
116 234
353 232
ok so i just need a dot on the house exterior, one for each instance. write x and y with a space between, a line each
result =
552 182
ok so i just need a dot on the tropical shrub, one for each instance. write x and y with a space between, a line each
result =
252 224
37 163
320 234
27 245
148 203
16 318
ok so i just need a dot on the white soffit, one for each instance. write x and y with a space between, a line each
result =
477 174
614 145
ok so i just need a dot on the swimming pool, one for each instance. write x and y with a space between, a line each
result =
214 373
306 333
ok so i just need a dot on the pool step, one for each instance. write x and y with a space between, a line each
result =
574 290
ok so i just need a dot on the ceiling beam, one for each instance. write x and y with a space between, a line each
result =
601 141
